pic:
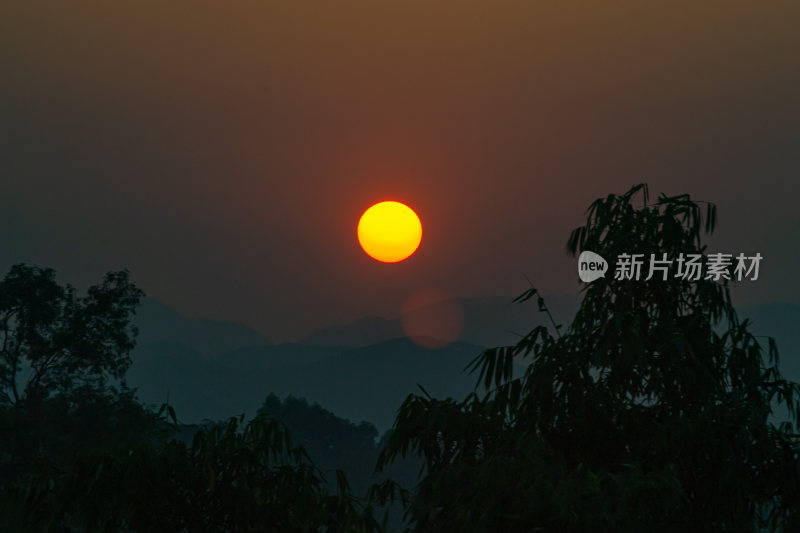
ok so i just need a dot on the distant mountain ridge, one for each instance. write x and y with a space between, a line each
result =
361 332
780 320
159 323
212 369
287 354
487 321
367 383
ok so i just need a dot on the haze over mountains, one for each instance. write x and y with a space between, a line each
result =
158 323
363 370
487 321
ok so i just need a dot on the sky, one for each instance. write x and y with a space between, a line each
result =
224 151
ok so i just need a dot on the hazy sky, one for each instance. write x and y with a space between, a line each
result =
223 151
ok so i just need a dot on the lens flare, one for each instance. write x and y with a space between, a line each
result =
432 318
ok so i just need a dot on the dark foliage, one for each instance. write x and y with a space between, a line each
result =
653 411
80 454
62 362
331 442
58 343
233 477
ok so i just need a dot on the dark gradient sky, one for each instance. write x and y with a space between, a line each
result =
223 152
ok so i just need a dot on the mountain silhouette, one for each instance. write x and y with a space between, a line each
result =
487 321
211 370
367 383
159 323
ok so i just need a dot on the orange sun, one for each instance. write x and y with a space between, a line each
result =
389 231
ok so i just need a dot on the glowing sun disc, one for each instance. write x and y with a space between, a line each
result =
389 231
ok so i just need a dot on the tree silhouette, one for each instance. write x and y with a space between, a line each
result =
64 343
331 442
652 411
232 477
80 453
62 362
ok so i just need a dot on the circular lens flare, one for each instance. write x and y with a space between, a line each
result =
432 318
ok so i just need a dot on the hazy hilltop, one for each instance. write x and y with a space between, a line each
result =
211 369
229 376
367 383
780 320
361 332
286 354
160 324
486 321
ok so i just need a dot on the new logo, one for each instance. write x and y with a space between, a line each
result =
591 266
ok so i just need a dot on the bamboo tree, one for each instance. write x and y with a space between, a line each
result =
654 410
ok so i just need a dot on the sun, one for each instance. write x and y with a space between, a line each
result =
389 231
